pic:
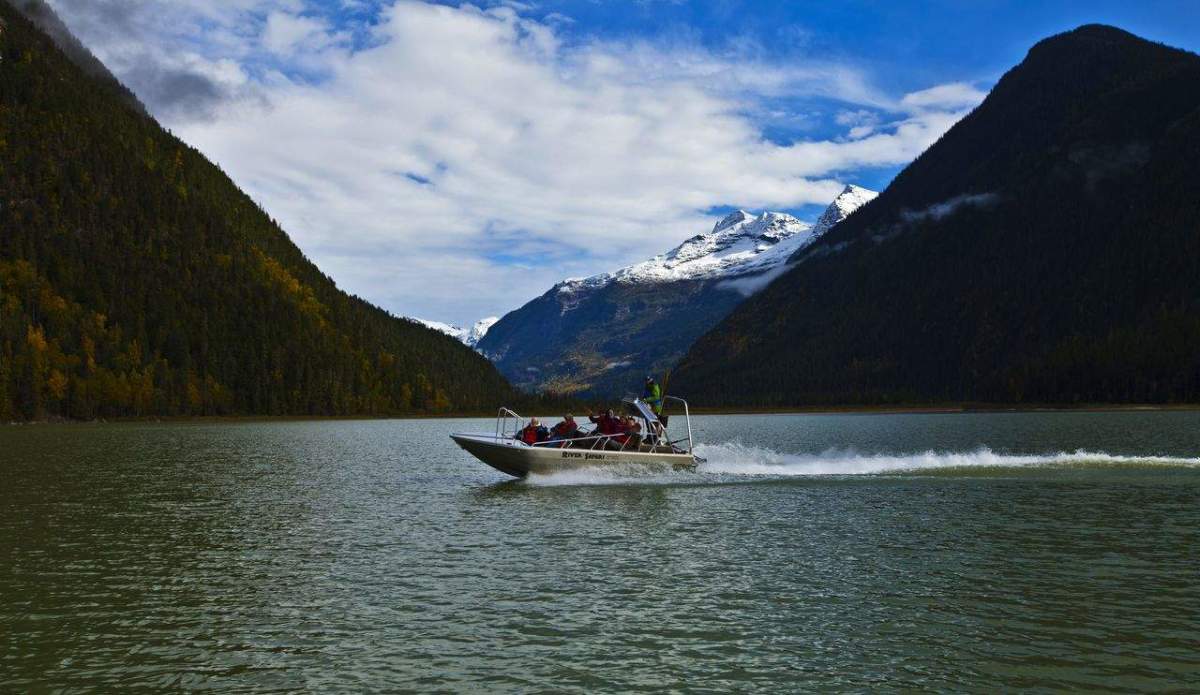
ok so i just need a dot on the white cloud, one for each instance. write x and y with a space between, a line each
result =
861 122
937 211
465 159
284 33
953 96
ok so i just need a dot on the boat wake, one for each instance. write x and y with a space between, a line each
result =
734 462
740 459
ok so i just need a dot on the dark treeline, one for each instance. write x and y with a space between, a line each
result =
1045 250
136 279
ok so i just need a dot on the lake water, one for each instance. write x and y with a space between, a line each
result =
811 552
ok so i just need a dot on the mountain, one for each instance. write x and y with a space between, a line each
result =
41 14
480 329
136 279
600 335
467 336
1045 250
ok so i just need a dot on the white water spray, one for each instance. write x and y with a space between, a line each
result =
739 459
734 461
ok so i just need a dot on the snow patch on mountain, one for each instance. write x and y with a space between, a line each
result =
743 251
468 336
850 199
449 329
480 329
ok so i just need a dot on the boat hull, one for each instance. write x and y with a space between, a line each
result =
519 460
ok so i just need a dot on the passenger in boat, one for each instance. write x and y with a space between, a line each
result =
534 432
564 431
632 432
607 424
622 434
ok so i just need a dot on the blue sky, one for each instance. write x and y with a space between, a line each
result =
453 161
929 41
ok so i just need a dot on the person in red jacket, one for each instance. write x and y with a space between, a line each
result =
534 432
564 431
608 424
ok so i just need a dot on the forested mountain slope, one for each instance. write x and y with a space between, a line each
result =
1045 250
136 279
44 18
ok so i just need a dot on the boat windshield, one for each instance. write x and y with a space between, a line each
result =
642 409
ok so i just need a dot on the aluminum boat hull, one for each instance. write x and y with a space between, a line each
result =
519 459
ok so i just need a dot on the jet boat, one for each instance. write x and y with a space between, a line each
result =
504 451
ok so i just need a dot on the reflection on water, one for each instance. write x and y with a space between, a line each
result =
822 552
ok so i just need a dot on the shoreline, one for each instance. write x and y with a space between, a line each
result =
796 410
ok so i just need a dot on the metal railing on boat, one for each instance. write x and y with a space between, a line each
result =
599 441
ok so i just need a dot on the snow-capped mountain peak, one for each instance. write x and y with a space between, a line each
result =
735 245
736 217
850 199
740 244
468 336
479 330
447 328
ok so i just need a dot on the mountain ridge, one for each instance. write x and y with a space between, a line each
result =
1042 251
46 19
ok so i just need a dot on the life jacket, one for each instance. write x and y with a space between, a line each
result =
529 434
566 429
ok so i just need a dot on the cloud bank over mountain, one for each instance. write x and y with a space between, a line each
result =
452 162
